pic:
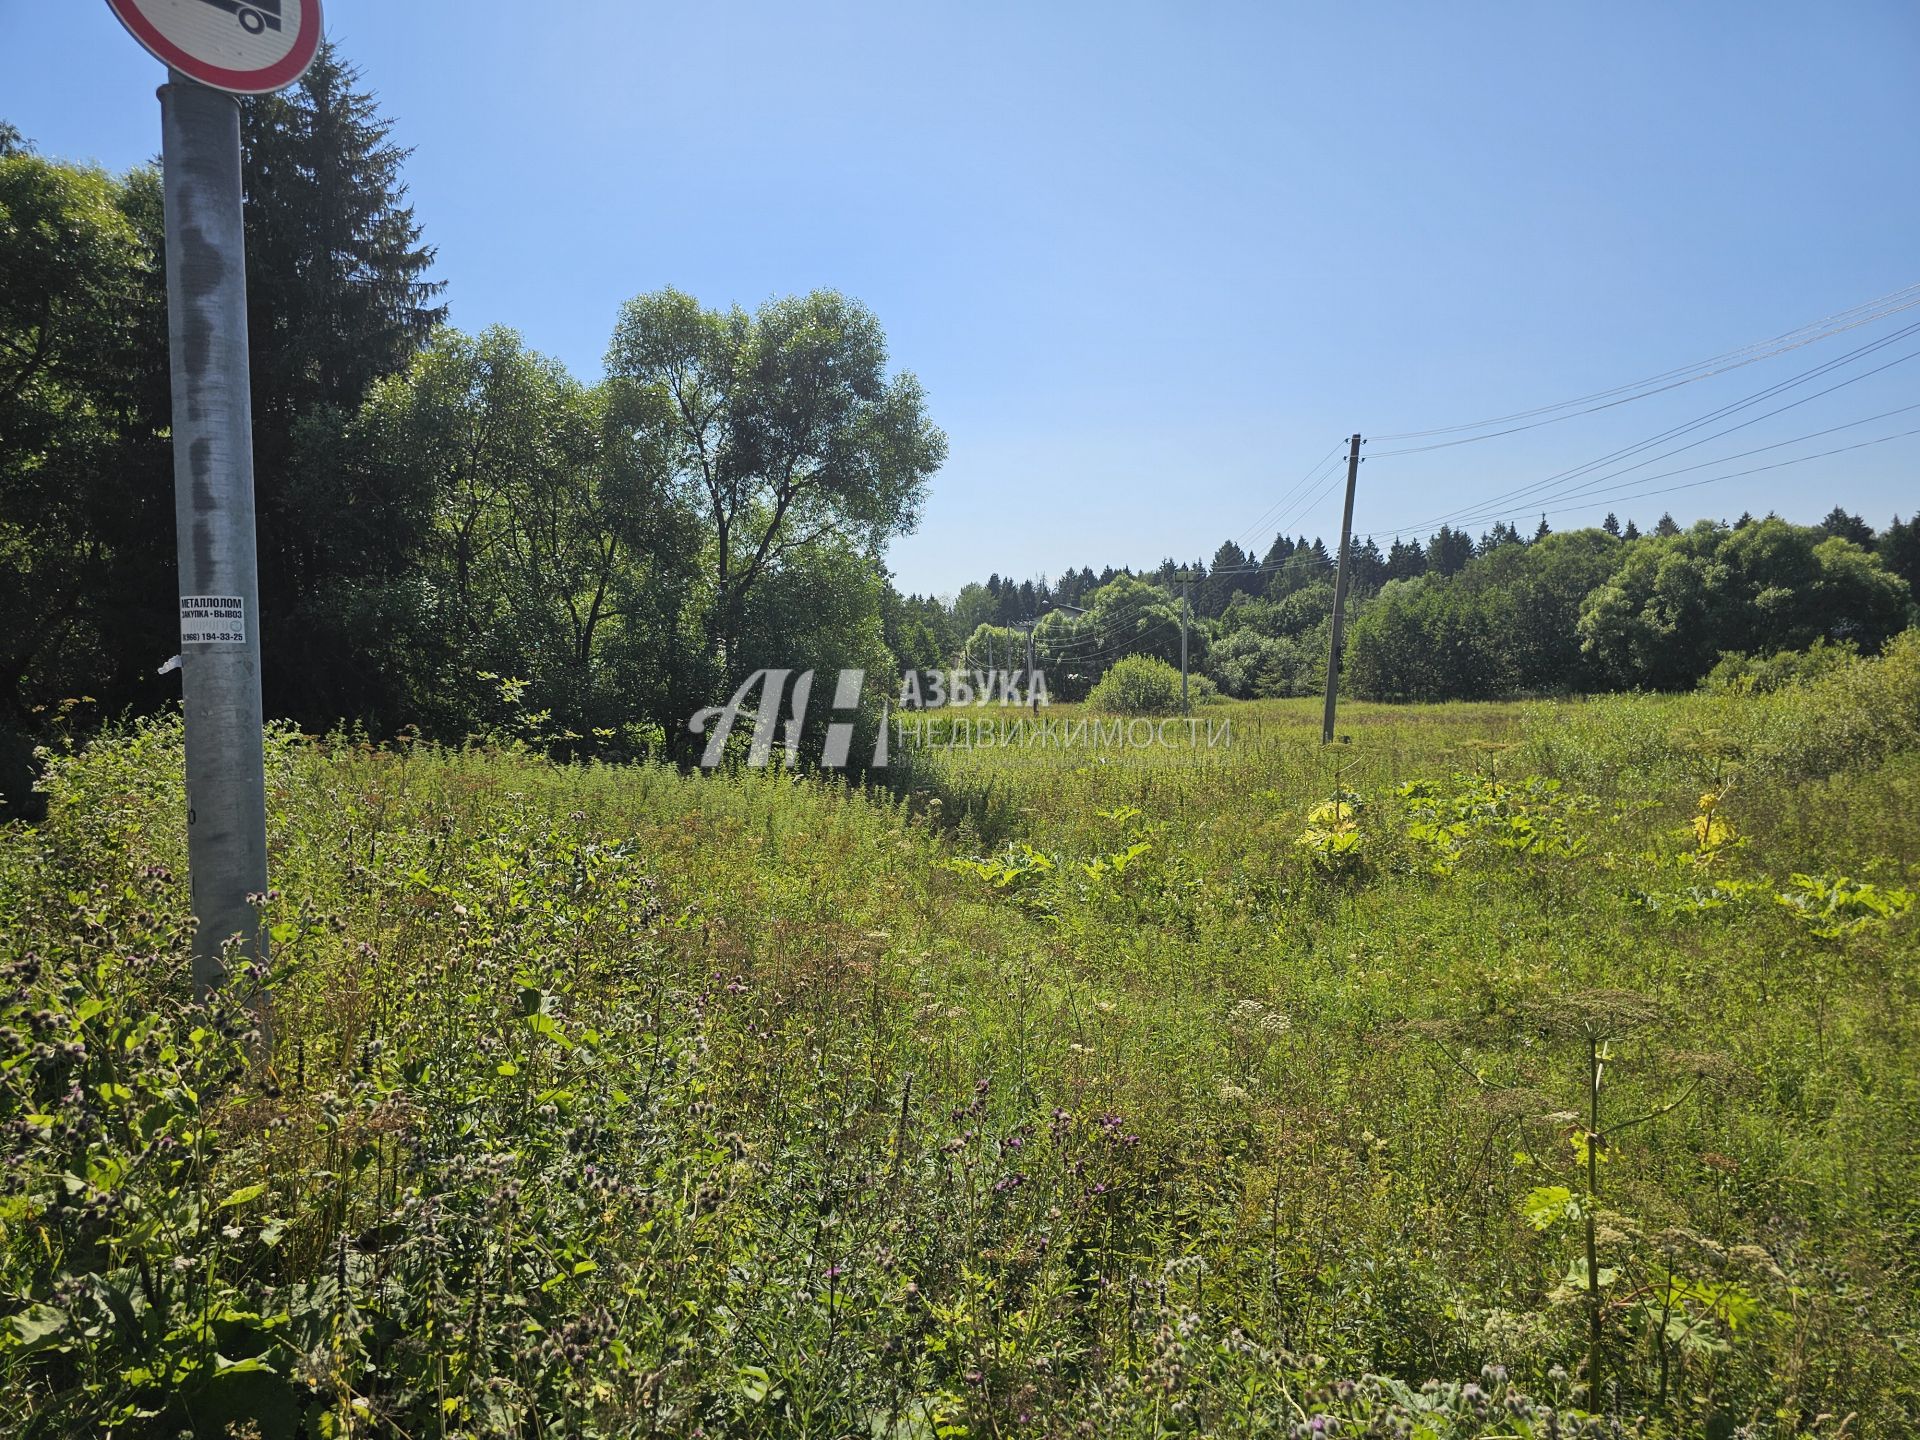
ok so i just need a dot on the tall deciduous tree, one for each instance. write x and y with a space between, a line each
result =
86 500
552 556
1678 602
785 432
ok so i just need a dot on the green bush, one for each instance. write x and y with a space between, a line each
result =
1843 716
1142 685
1783 670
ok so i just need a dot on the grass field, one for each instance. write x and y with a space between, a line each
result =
1231 1091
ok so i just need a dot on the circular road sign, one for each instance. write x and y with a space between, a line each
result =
249 47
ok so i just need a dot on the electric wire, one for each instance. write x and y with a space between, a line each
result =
1587 494
1854 318
1753 470
1536 488
1297 488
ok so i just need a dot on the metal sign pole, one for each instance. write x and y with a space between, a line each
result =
213 507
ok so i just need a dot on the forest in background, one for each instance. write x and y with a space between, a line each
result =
1458 618
457 535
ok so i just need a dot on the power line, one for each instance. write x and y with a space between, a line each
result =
1585 494
1334 477
1298 486
1754 470
1537 487
1852 319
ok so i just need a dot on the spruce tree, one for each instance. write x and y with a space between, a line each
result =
1369 567
1900 550
338 298
1405 560
338 292
1846 526
1449 551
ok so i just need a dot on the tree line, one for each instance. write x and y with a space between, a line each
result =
1459 617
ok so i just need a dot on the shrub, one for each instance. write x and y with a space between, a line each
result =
1844 718
1142 685
1783 670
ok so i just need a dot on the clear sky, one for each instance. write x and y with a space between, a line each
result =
1152 261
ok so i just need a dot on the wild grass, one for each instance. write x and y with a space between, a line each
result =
1063 1092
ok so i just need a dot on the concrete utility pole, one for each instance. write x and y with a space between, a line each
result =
1031 622
1340 594
1186 612
213 509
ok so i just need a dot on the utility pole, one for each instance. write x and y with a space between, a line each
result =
1340 594
213 511
1186 612
1031 622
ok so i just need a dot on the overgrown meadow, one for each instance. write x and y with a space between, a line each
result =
1501 1071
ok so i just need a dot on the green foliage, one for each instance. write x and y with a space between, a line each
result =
1333 839
639 1102
433 505
550 551
1678 602
338 298
1585 610
1847 718
1533 816
1424 640
85 483
1783 670
1833 907
1143 685
782 430
1126 618
1270 651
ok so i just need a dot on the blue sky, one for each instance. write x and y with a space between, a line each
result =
1152 261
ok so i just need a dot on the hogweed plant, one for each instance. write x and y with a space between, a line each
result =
1702 866
1678 1308
1533 816
1332 840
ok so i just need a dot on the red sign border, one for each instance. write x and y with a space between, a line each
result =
278 76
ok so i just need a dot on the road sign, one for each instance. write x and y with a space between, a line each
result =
248 47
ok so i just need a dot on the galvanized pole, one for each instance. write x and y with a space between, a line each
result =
213 510
1340 594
